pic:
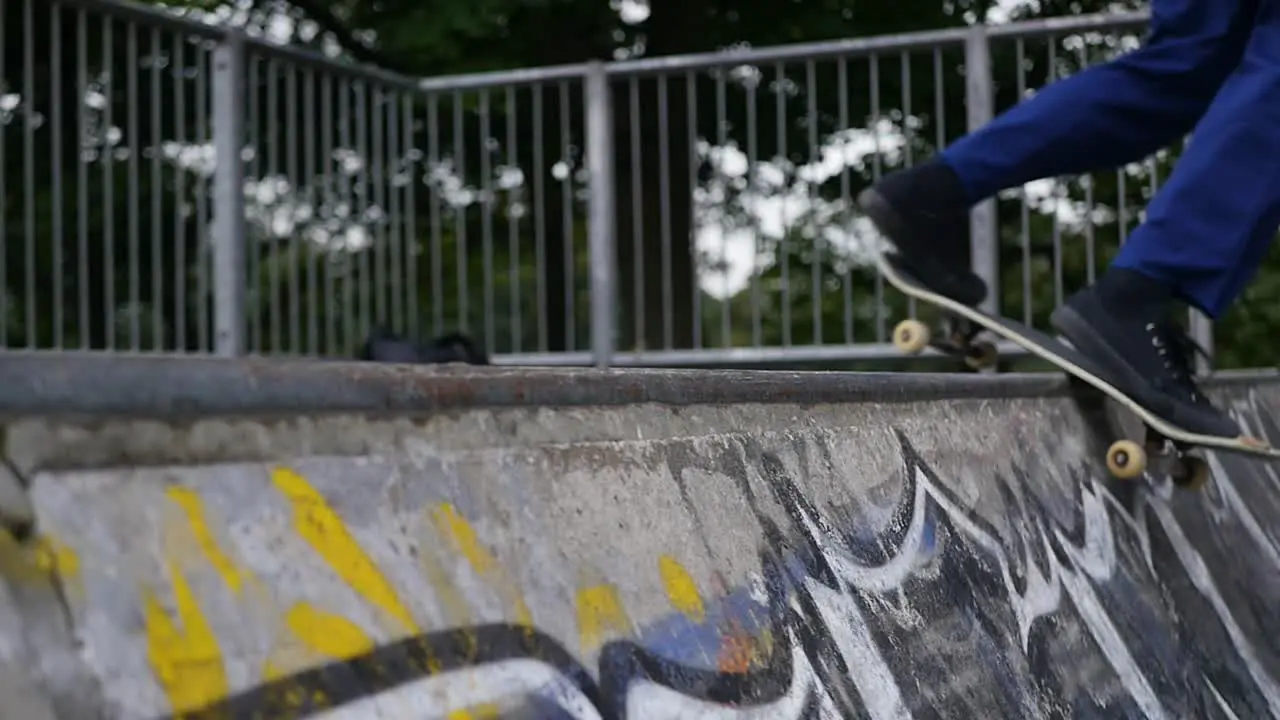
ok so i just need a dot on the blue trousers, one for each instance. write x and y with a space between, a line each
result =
1208 67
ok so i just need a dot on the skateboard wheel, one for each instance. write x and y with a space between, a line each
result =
981 355
911 336
1126 459
1195 473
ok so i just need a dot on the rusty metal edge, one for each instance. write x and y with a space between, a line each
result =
90 384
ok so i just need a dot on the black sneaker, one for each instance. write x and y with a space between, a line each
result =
1146 354
924 211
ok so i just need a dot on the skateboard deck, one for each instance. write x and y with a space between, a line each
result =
1125 458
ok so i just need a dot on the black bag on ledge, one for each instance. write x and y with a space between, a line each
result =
384 346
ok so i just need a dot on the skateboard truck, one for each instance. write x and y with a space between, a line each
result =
1127 460
956 339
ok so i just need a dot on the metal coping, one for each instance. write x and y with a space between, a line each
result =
169 387
88 384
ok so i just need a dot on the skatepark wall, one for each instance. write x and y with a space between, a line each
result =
233 539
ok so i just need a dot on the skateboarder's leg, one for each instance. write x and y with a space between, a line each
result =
1103 117
1205 234
1116 112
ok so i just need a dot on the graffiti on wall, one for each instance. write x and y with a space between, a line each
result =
1098 611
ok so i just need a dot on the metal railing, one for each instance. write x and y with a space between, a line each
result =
673 210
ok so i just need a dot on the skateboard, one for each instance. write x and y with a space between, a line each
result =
1165 443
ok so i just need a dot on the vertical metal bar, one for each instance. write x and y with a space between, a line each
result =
157 198
6 292
228 203
29 169
815 156
877 160
566 210
1058 188
294 197
317 202
1024 235
132 191
108 190
254 134
514 196
205 343
722 141
540 219
271 177
486 221
939 101
846 191
904 61
179 197
361 91
784 245
55 71
412 155
82 187
601 230
330 203
460 216
1122 211
377 169
982 219
1201 331
1089 239
750 207
637 214
433 191
664 211
394 217
346 94
691 131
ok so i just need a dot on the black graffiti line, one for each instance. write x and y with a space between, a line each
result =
390 666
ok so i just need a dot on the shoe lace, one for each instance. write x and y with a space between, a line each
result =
1178 352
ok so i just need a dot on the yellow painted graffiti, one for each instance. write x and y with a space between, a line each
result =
222 563
483 711
184 655
681 590
319 525
331 635
600 616
51 555
37 560
462 535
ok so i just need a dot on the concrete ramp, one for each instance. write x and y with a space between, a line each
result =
252 539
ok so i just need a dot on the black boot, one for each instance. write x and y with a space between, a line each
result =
924 211
1122 323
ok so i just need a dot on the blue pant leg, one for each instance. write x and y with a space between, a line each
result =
1208 229
1114 113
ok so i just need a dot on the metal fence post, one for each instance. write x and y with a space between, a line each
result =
601 224
1201 332
229 236
984 234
